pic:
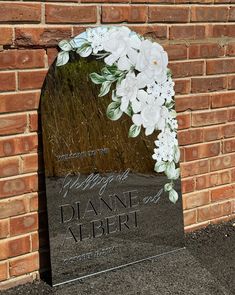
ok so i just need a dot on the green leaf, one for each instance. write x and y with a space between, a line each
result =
173 196
134 130
113 111
168 187
62 59
65 45
105 88
115 97
176 154
85 50
169 73
160 166
173 114
170 170
96 78
128 111
112 69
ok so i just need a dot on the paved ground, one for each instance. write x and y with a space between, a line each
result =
207 266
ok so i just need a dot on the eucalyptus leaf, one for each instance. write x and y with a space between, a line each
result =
170 170
176 154
160 166
105 88
173 196
168 187
96 78
134 130
65 45
113 111
62 58
173 113
85 50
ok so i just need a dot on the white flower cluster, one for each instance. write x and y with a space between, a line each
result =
144 88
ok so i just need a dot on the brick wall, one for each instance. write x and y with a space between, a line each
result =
199 36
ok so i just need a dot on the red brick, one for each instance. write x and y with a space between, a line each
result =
30 163
35 241
6 36
22 59
231 114
187 185
214 179
25 264
212 133
31 80
231 13
18 186
192 32
187 68
184 121
202 151
208 84
220 66
233 177
117 14
230 49
225 192
209 14
4 229
7 81
51 55
205 50
218 31
229 146
196 200
70 14
33 121
178 51
34 202
106 1
228 130
197 226
219 210
23 224
9 167
191 136
223 99
18 145
151 31
182 86
41 36
3 271
231 82
192 102
13 207
19 101
14 247
20 12
204 213
190 217
222 162
12 124
149 1
194 168
209 118
168 14
16 281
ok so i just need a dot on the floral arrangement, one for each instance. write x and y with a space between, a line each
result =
143 88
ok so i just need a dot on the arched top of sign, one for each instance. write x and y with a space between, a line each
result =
135 70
